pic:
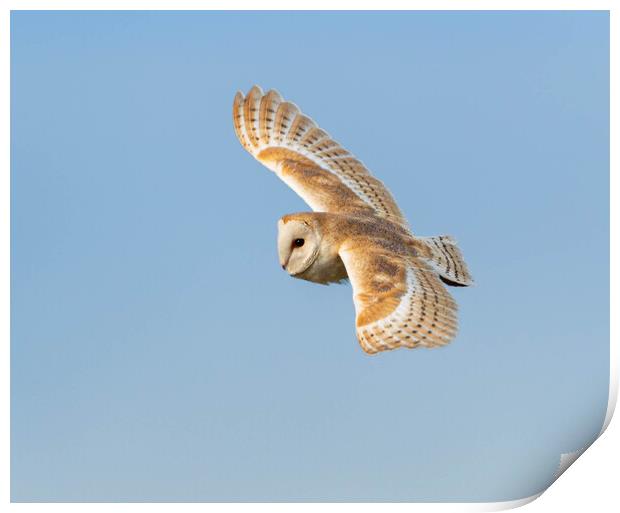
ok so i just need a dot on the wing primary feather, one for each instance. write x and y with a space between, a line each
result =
267 115
250 114
300 126
284 119
239 123
313 136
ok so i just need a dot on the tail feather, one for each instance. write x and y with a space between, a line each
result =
447 260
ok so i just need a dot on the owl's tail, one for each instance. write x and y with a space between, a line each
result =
447 260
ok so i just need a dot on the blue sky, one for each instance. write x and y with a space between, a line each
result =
158 350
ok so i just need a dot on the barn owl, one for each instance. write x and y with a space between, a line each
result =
356 231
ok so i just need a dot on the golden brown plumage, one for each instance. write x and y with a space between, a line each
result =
357 230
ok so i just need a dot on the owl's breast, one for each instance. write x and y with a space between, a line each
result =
325 269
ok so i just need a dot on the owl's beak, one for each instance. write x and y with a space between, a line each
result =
284 260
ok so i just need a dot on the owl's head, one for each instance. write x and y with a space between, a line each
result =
299 240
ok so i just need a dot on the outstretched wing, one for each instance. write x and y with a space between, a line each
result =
323 173
399 301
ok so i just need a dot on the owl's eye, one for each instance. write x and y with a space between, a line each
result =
298 243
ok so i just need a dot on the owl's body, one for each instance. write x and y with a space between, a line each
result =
357 231
351 232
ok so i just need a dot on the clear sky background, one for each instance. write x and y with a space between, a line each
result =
159 352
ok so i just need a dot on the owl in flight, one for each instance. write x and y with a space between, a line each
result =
356 230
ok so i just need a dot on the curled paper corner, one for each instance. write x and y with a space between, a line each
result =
566 460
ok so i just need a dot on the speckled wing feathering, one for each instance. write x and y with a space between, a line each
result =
321 171
399 301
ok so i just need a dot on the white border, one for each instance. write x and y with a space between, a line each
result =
601 455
